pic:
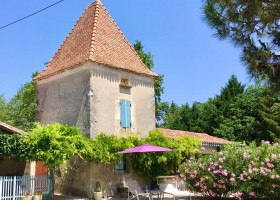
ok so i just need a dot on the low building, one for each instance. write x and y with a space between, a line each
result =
210 143
13 166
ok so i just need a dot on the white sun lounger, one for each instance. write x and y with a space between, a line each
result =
135 189
170 189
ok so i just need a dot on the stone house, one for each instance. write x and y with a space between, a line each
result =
97 82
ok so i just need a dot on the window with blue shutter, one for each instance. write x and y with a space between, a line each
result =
125 112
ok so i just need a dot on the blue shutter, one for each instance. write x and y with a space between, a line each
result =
122 111
125 112
128 114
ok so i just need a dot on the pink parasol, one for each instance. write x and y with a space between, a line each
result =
145 148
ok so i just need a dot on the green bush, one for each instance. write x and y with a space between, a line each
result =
151 165
242 172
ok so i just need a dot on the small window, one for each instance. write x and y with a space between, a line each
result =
125 83
121 166
125 112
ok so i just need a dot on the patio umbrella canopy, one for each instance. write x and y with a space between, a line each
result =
145 148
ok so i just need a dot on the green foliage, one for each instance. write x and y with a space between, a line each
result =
3 109
54 144
243 172
147 59
104 147
254 26
20 110
10 145
161 163
237 114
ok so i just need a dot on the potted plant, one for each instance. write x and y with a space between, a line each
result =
27 196
97 194
37 195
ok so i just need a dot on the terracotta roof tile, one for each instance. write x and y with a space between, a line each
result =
205 138
10 129
97 38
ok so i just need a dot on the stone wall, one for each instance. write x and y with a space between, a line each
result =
64 98
88 97
81 177
105 102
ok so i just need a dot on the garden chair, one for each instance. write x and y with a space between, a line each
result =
170 189
135 189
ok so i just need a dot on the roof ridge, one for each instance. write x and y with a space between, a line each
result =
120 31
94 29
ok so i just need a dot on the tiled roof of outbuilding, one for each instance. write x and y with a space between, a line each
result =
205 138
97 38
9 129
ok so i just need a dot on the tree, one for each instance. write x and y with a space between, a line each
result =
54 144
253 25
21 108
3 108
252 117
147 59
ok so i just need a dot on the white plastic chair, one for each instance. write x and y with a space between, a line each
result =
170 189
135 189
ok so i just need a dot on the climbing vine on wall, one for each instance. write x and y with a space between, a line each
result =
55 143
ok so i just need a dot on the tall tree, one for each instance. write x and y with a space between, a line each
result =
21 108
253 116
253 25
147 59
3 108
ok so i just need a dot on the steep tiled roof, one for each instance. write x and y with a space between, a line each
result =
6 128
205 138
97 38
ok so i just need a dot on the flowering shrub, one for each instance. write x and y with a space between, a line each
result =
242 172
37 193
27 194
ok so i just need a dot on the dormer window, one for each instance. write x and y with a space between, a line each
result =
125 83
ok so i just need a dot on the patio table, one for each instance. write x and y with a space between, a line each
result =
157 192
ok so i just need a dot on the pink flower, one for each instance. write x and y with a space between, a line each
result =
224 172
221 160
238 195
267 160
232 179
255 170
269 165
272 176
252 194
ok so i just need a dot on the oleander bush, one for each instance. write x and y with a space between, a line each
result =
236 171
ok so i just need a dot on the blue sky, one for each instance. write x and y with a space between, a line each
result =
194 63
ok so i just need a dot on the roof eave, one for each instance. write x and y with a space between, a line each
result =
40 77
